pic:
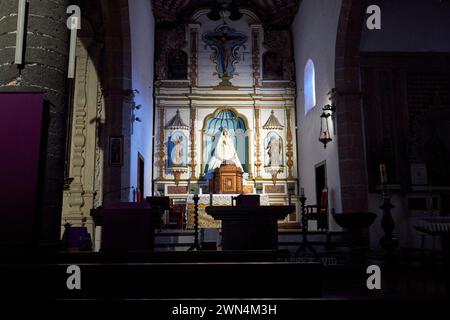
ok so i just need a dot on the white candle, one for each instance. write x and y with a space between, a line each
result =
21 15
72 53
74 24
302 192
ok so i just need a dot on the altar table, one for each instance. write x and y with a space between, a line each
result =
205 220
248 227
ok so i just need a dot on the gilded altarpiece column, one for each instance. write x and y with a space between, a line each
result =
289 147
193 75
256 56
258 162
161 147
193 144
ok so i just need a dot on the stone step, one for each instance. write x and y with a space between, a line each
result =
164 280
182 240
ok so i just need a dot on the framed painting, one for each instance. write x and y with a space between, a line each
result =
116 151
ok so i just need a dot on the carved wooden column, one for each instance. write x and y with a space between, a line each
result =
256 54
99 153
194 53
256 66
193 144
86 166
289 146
161 152
76 200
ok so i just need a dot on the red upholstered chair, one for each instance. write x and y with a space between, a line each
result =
176 217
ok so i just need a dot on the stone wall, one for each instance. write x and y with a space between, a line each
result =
44 69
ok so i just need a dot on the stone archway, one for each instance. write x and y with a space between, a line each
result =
354 186
99 91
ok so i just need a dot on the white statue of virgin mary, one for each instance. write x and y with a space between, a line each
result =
224 152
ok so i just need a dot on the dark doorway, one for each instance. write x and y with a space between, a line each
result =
321 181
141 179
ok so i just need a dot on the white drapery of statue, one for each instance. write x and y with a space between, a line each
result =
224 152
274 151
177 152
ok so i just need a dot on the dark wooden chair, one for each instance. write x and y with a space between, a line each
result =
319 212
176 217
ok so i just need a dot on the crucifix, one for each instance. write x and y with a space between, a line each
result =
226 43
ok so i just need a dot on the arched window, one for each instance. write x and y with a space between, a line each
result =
310 86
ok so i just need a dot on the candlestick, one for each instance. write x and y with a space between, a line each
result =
289 199
210 199
388 242
305 245
196 245
383 173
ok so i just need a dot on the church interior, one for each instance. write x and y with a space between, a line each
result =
296 145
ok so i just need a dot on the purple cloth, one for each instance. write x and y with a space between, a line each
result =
21 117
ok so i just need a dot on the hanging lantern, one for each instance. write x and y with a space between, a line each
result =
325 136
328 111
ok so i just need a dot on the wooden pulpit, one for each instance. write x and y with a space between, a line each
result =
227 180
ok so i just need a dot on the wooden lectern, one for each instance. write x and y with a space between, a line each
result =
127 226
227 180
